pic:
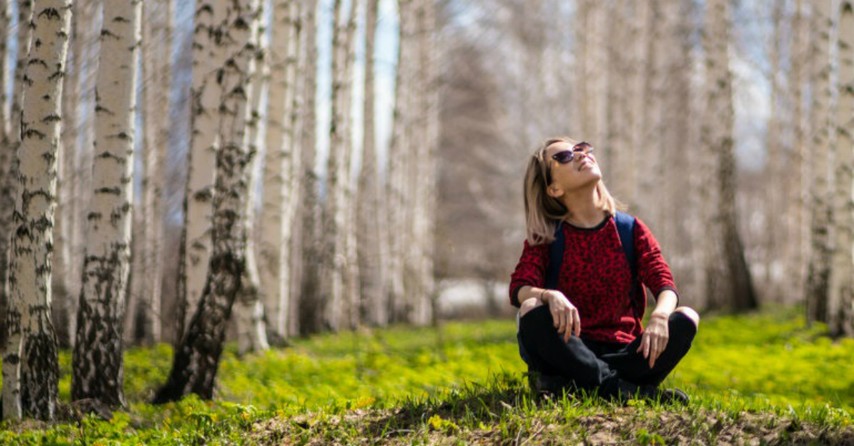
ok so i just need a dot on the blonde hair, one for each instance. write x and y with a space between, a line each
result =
542 211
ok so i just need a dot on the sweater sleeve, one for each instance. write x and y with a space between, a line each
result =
653 270
530 271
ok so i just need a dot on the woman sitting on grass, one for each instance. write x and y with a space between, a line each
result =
580 328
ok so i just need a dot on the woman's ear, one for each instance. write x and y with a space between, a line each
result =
554 191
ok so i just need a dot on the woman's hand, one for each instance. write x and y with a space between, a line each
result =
655 337
565 315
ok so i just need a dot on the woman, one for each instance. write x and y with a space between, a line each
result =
584 332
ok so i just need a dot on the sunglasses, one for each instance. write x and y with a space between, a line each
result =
567 156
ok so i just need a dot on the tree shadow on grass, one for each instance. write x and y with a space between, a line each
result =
470 404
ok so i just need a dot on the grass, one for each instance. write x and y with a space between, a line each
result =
757 378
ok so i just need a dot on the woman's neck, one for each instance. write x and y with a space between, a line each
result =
586 208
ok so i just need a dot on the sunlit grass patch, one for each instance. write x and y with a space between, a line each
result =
763 376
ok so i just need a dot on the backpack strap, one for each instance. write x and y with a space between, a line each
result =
626 228
555 257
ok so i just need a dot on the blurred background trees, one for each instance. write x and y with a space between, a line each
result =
372 153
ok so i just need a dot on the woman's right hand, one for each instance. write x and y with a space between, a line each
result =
566 318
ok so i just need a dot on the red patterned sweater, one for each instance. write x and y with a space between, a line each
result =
596 278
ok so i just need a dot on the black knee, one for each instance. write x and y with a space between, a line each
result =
681 327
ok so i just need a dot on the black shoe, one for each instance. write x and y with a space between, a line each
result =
547 385
674 397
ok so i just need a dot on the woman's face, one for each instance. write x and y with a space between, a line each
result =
581 172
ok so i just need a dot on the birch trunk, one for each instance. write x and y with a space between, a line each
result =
841 299
739 293
639 94
156 71
201 163
428 300
796 198
372 231
334 257
98 370
277 216
249 309
773 168
30 362
351 266
66 206
196 359
310 315
291 252
397 164
9 181
821 212
7 160
85 43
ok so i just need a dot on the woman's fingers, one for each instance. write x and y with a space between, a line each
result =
576 318
653 353
660 345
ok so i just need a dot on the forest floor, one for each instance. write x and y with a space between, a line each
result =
762 378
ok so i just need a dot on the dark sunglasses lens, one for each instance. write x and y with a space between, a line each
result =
582 147
564 157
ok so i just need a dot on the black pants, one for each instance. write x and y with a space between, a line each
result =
600 366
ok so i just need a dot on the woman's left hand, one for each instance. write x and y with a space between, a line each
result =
655 337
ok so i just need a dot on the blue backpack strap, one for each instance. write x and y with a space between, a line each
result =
626 228
555 257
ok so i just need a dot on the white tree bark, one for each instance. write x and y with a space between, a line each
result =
335 257
425 228
397 173
86 44
156 72
821 211
841 299
98 370
798 234
30 362
372 232
196 359
729 282
7 160
248 308
309 314
278 212
201 166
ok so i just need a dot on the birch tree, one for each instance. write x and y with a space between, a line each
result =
84 49
797 196
280 166
7 158
98 371
398 152
821 211
11 142
720 118
30 362
156 72
248 309
841 299
196 359
334 257
309 313
372 238
210 18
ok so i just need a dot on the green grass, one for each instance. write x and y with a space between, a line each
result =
763 377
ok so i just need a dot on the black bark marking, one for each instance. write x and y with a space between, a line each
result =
50 14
